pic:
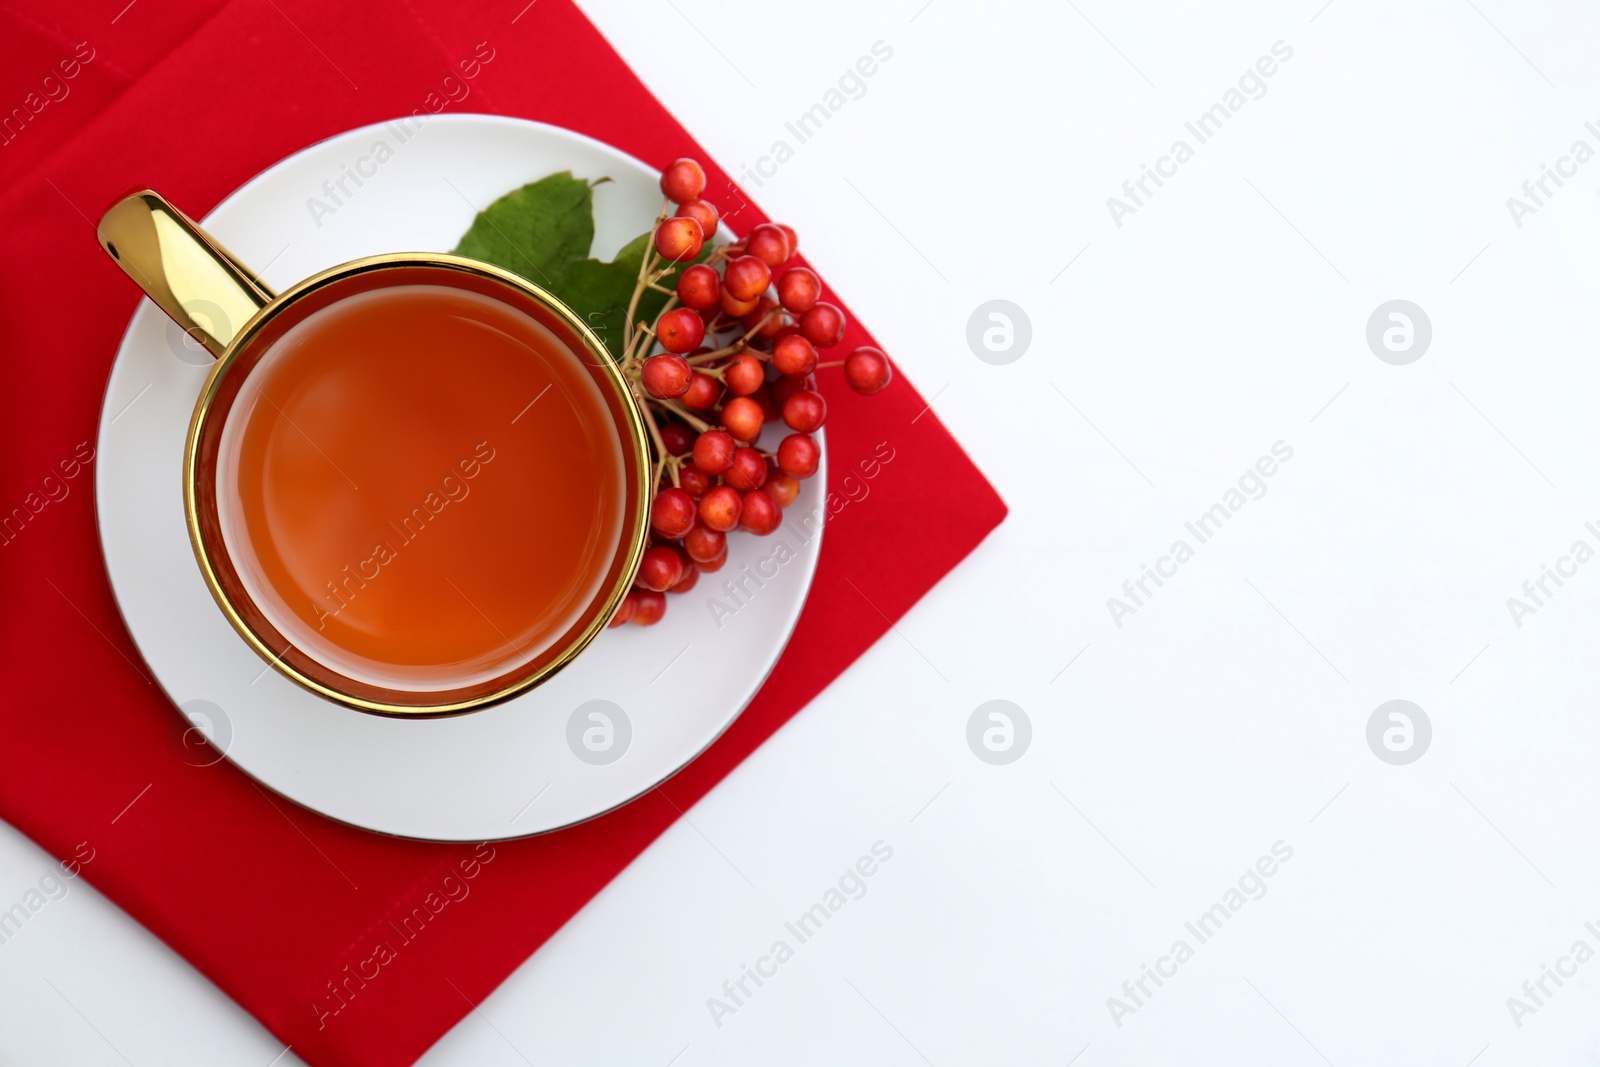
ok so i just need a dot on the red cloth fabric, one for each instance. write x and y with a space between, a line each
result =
277 905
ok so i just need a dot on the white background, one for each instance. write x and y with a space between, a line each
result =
1230 711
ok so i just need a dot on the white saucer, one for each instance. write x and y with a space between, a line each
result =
507 771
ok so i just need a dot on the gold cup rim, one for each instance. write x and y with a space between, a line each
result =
637 537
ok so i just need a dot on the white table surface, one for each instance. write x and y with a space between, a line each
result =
1229 712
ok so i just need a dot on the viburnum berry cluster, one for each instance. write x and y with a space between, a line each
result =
734 349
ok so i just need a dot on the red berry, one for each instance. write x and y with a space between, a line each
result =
744 374
713 451
678 438
694 481
683 180
704 392
705 544
743 417
649 606
867 370
672 513
769 244
711 565
749 470
794 238
794 356
760 513
720 508
681 330
782 488
624 611
679 239
686 583
805 411
666 375
702 212
733 307
823 325
699 287
660 568
798 289
746 277
798 455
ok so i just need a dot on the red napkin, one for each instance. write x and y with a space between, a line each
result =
280 907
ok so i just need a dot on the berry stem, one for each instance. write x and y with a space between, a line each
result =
646 264
686 415
721 353
655 435
768 317
672 302
643 336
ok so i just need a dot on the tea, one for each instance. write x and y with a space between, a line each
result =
421 487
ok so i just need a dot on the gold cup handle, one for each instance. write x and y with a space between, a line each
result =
182 268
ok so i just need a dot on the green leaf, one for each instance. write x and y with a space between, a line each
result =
539 231
599 292
543 231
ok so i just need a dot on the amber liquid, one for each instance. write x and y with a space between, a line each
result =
421 487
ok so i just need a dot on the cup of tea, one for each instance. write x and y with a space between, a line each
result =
416 484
